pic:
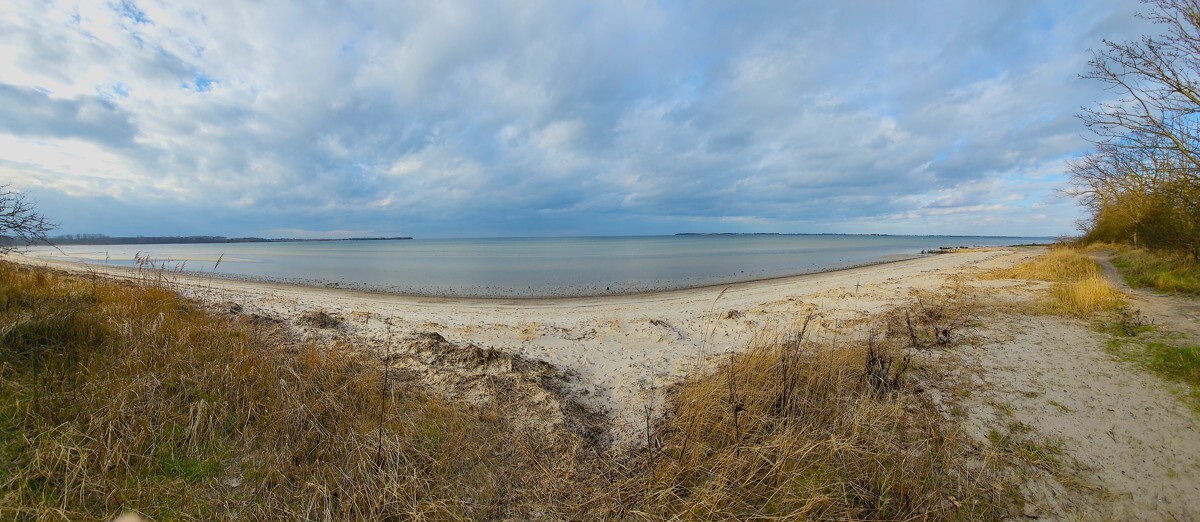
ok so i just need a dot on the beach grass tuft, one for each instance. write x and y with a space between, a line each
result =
1079 289
809 429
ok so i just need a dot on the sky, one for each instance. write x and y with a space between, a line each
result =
550 118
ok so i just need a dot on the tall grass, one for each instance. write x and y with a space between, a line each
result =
1060 264
1079 286
794 429
121 397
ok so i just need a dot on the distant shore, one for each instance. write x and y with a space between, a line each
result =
1048 238
582 292
518 268
96 239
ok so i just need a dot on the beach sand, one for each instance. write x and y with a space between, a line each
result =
1127 447
620 350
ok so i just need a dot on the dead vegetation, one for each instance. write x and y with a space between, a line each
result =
531 394
804 427
320 319
934 319
1079 289
124 397
120 396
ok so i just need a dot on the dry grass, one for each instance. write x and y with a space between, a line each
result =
1062 263
320 319
119 397
122 397
1084 297
799 429
1079 289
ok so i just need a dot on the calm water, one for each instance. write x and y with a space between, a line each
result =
531 266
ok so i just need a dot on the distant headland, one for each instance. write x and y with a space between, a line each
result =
100 239
830 234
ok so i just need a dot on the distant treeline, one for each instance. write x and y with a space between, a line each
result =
101 239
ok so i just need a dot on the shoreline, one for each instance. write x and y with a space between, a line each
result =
620 348
603 370
71 264
525 270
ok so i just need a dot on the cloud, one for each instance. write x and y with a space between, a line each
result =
475 118
26 111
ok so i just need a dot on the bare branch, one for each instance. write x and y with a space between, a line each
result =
20 222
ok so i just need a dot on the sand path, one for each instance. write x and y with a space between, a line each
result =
1108 440
1172 312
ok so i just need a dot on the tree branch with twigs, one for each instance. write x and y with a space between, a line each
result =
1141 182
20 222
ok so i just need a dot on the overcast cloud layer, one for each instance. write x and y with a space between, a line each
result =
549 118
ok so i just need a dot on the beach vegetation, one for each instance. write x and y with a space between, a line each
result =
805 428
121 396
1079 288
1170 355
1165 271
1175 360
1139 182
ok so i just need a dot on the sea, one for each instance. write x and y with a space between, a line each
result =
528 267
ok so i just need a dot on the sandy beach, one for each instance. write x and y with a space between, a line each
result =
619 349
600 366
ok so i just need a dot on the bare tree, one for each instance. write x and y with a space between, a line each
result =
1158 78
1141 182
20 222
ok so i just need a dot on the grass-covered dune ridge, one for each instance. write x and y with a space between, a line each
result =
119 396
123 396
796 428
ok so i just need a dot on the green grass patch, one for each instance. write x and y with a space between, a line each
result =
1162 271
1180 363
1167 356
